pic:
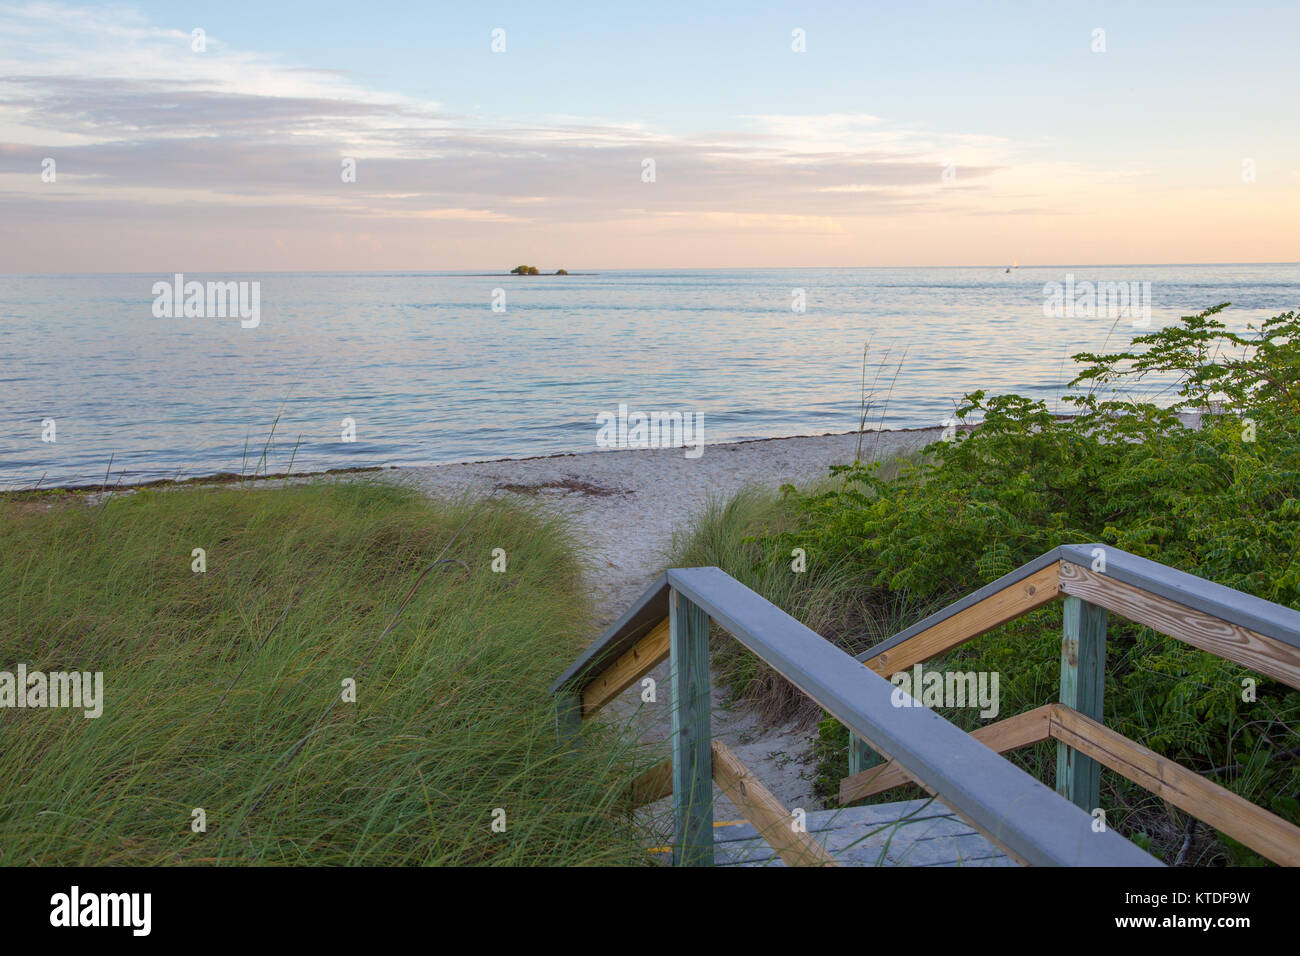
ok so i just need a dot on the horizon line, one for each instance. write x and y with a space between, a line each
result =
457 273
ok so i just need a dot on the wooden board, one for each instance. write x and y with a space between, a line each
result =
654 784
691 734
1012 733
1275 621
568 719
641 617
1083 681
628 668
1230 641
758 805
1012 601
912 833
1264 832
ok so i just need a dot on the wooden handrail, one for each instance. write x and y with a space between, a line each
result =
1009 597
1252 825
1231 641
646 614
626 669
1231 624
1031 727
971 779
1262 831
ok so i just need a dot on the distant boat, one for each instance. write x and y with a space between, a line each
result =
1014 265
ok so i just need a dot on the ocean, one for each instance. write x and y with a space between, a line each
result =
447 367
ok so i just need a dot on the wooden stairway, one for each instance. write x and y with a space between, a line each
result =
909 833
988 811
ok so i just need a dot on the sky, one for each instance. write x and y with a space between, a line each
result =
795 134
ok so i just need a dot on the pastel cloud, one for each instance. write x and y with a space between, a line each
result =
231 159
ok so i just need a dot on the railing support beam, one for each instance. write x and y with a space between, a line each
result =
691 733
568 719
1083 681
861 756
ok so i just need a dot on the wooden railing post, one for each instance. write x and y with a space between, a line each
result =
568 718
1083 681
691 733
861 756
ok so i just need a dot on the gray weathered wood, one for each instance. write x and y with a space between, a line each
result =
1264 617
909 833
956 607
691 734
568 719
1083 682
636 622
1022 815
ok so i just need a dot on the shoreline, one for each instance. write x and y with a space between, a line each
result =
874 436
1190 419
229 477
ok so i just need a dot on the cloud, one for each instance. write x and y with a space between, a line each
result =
141 126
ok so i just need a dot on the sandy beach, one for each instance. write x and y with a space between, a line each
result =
624 505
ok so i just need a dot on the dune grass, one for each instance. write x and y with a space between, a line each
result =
828 596
214 680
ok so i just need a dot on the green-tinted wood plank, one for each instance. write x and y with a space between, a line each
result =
1083 681
861 756
568 719
692 755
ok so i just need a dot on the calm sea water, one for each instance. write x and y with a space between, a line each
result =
430 373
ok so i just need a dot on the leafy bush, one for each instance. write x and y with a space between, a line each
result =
1221 500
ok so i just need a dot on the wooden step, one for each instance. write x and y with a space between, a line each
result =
908 833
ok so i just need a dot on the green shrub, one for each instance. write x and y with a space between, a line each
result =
1221 501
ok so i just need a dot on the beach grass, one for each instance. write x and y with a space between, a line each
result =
830 597
224 689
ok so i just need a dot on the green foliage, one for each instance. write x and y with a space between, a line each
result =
524 271
1221 501
831 753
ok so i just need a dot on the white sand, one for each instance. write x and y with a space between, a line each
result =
624 506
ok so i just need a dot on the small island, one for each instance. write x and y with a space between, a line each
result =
533 271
